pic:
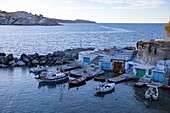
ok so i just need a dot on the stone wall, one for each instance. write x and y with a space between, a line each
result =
55 58
149 52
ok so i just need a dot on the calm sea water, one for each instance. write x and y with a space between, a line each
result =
44 39
21 93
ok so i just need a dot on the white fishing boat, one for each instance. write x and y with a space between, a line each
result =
38 69
52 77
105 88
152 93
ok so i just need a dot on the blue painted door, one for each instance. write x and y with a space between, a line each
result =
130 66
158 76
105 66
86 59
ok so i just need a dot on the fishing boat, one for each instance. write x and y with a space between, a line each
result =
41 75
77 82
105 88
101 79
152 93
89 76
53 77
38 69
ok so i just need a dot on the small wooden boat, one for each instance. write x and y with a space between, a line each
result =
101 79
77 82
38 69
88 77
152 93
53 77
105 88
117 79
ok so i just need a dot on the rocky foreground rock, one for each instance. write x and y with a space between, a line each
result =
25 18
55 58
151 51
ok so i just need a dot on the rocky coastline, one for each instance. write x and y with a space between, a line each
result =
152 51
55 58
25 18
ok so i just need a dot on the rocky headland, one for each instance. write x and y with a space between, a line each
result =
25 18
149 52
55 58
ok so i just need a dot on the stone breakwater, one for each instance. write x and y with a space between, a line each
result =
55 58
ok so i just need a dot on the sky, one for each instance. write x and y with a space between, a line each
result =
101 11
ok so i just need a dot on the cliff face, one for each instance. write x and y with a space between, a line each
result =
167 31
25 18
152 51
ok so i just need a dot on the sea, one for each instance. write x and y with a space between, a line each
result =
46 39
20 92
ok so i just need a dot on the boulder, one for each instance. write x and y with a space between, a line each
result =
3 66
42 57
75 56
50 62
29 64
21 63
34 62
58 62
42 62
26 60
50 58
2 54
10 57
12 62
55 59
58 53
31 57
16 59
69 57
50 54
3 60
36 55
23 56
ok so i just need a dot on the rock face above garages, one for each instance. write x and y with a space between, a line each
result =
152 51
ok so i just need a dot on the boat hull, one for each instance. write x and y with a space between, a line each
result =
105 90
99 79
38 70
51 80
79 83
149 94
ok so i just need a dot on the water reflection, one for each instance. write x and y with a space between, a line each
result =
160 104
52 84
102 95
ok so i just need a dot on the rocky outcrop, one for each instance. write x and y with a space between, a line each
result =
167 31
152 51
74 21
55 58
25 18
